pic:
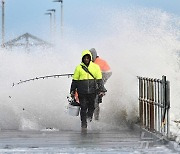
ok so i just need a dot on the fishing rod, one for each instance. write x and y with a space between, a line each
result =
42 77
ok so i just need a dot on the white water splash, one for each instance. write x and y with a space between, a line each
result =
135 42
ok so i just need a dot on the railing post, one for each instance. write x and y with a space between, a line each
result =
140 101
151 105
164 103
155 104
145 102
168 106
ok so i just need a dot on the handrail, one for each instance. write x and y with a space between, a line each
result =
154 104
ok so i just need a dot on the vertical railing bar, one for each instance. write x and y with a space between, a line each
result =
145 102
148 104
139 97
161 108
142 101
168 106
155 105
158 106
151 105
154 97
164 104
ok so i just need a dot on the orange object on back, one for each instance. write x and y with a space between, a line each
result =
102 64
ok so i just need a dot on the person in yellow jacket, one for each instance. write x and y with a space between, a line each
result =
87 85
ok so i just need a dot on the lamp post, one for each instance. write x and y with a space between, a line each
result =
3 33
50 14
61 1
54 22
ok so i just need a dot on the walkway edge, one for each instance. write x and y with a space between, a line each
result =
157 137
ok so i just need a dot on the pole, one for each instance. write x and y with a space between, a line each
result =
3 33
62 19
54 24
50 14
51 26
61 16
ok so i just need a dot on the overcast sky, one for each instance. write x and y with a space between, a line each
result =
23 16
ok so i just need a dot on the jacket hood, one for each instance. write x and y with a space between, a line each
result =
86 52
94 54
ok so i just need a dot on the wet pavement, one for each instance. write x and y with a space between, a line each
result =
77 141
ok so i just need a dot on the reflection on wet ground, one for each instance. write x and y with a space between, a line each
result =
86 141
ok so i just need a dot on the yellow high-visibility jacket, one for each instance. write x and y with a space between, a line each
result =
83 82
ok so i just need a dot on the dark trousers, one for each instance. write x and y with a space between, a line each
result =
87 102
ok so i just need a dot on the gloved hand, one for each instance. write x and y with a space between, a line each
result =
72 94
102 94
100 99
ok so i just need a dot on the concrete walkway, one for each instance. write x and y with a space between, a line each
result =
93 141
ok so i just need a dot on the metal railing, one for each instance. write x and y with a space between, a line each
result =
154 104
